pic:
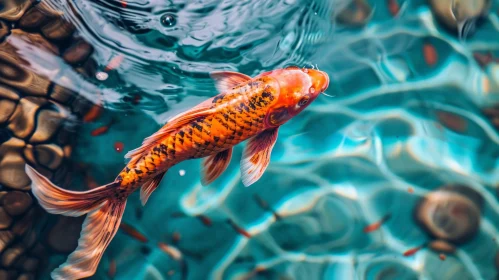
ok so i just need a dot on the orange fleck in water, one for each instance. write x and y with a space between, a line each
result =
442 257
136 99
93 113
375 226
134 233
430 54
118 146
206 221
171 251
393 7
410 190
239 230
99 131
175 237
452 121
124 4
412 251
90 182
483 59
112 269
114 63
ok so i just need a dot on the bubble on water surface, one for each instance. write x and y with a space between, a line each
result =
168 20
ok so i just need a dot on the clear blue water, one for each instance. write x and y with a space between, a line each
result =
403 117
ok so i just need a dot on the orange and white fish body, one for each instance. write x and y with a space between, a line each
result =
246 108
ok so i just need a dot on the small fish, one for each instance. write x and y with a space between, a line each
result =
239 229
205 220
393 7
265 206
172 251
430 54
176 237
413 251
114 62
375 226
245 109
93 114
112 269
483 59
128 229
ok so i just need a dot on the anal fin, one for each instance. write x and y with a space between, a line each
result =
149 187
215 165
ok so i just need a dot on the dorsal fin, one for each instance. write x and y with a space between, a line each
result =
226 80
174 123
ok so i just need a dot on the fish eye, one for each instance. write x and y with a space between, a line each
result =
303 101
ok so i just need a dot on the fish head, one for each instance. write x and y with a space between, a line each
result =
298 87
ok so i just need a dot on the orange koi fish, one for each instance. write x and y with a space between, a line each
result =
246 108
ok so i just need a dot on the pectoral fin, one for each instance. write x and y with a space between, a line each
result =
215 165
256 156
149 187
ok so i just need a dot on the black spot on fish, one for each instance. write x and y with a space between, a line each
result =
190 131
218 97
231 137
266 94
248 123
197 126
252 106
181 140
206 142
138 171
226 116
181 133
243 106
119 178
240 133
216 138
127 169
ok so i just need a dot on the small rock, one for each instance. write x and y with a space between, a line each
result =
22 122
49 155
16 202
30 264
5 219
7 107
78 52
4 30
47 124
6 238
11 255
12 10
58 29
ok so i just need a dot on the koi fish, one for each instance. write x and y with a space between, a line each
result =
245 108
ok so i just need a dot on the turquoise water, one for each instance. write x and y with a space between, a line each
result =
403 117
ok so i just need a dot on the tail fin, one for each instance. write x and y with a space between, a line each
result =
100 225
